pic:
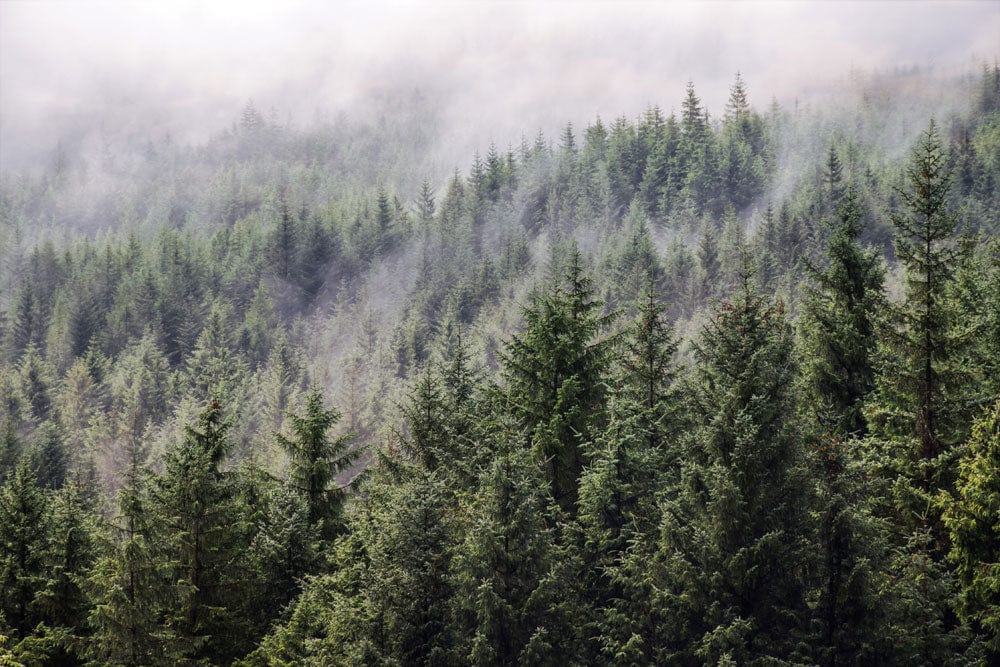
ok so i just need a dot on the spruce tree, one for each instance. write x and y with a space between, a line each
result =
197 514
282 551
315 459
921 374
554 372
23 542
971 516
129 585
838 326
499 566
733 547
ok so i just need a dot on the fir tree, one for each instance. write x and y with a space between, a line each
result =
130 588
554 374
63 602
921 374
502 561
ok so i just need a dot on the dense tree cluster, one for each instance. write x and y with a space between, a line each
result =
626 411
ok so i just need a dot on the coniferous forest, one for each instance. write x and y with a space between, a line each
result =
696 387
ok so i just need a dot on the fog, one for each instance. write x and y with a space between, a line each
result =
101 71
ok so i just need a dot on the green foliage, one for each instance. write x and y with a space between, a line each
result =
23 539
130 587
838 325
197 512
735 538
503 561
554 373
554 488
315 459
971 518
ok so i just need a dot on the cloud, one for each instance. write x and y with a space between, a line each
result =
494 69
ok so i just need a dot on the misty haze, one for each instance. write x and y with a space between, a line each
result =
496 333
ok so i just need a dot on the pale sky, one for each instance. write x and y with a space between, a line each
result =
72 68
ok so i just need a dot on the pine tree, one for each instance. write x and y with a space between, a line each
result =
129 584
833 179
383 220
69 554
647 371
413 540
283 242
260 327
838 324
213 370
315 459
427 440
919 411
920 405
35 382
425 206
25 326
708 262
49 456
282 551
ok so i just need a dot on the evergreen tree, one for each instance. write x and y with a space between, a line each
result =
833 179
283 242
411 558
315 459
554 373
25 326
632 463
49 456
920 405
282 550
23 542
501 563
63 601
197 512
260 327
647 372
129 585
838 324
734 539
971 517
426 207
708 262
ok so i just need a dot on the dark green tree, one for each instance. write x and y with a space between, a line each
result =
838 326
23 542
735 536
197 515
555 371
921 374
500 565
971 518
315 459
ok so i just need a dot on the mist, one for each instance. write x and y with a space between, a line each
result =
86 74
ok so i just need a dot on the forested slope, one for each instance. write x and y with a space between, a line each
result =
679 389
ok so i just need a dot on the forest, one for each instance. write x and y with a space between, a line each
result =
685 388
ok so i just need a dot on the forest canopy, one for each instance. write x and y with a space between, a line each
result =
692 387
